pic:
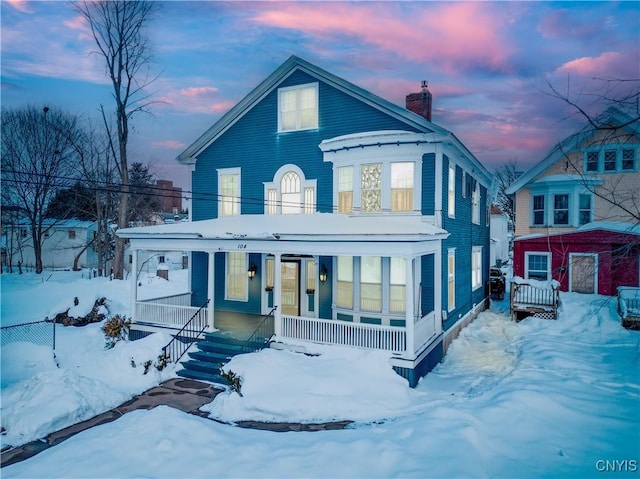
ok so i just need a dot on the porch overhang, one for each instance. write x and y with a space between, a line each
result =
320 233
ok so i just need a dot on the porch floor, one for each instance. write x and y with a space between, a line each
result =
238 325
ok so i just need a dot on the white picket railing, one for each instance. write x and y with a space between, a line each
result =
359 335
168 315
182 299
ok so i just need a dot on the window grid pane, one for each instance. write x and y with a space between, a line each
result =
538 210
309 200
272 202
402 186
538 265
561 209
229 189
593 158
610 160
371 188
628 159
311 276
452 191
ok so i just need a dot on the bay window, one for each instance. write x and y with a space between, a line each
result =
402 186
371 283
561 209
371 187
345 282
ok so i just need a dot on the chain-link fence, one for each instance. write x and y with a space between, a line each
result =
38 332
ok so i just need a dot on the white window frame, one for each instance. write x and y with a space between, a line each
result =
411 188
273 192
451 279
476 267
236 203
567 209
297 89
350 281
379 165
242 273
451 192
475 203
527 254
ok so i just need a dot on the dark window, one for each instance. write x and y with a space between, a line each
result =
561 209
538 210
585 209
628 159
593 158
72 234
610 160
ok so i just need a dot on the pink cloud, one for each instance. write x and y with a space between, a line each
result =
169 144
456 35
20 5
198 91
601 65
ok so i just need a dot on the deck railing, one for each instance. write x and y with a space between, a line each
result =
182 299
166 315
359 335
528 299
629 307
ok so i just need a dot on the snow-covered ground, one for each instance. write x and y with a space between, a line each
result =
535 399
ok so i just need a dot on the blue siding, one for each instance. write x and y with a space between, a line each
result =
428 284
464 235
428 183
325 292
255 145
252 306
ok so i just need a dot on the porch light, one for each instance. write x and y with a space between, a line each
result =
323 274
252 270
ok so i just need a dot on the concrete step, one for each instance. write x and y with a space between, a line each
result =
208 356
201 376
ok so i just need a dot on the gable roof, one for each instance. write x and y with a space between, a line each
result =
612 116
294 63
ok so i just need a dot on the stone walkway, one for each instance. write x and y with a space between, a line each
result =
187 395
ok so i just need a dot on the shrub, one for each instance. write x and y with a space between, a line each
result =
116 329
234 380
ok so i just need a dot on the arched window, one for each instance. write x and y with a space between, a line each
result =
290 193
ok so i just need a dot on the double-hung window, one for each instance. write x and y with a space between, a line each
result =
371 187
229 192
475 203
236 284
451 198
593 160
371 283
628 159
345 282
397 285
476 267
402 186
451 279
298 107
584 213
345 189
538 266
610 160
561 209
538 210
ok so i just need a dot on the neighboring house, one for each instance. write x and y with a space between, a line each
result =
363 222
576 210
500 236
168 197
63 240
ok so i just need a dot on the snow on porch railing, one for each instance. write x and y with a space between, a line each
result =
182 299
167 315
359 335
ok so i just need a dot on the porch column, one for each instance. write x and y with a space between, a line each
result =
438 279
210 288
277 294
134 283
409 308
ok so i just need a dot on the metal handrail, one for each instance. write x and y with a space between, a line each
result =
179 347
260 330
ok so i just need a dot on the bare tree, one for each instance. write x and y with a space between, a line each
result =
118 28
506 175
610 110
37 160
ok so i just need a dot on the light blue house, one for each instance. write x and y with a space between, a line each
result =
361 222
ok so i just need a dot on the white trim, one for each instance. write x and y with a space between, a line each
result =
277 183
476 250
246 277
451 205
451 252
595 270
536 253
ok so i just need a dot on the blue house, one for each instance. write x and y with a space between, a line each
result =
349 219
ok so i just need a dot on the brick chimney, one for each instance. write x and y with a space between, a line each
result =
420 103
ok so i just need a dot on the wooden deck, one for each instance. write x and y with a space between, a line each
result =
529 300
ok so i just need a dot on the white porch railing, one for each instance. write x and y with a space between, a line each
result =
182 299
343 333
168 315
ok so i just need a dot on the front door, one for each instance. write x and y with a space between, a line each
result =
583 273
290 300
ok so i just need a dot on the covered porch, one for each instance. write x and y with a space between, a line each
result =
291 266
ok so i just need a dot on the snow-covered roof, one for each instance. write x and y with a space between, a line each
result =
614 226
318 226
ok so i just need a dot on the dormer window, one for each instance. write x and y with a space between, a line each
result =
298 107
